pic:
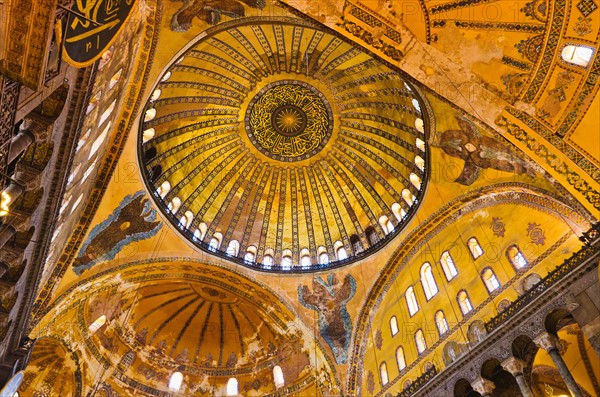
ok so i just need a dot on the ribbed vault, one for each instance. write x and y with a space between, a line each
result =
283 146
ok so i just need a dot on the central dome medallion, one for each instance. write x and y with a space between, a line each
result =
289 121
280 146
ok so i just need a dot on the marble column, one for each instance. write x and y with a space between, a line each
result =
483 386
516 367
20 142
6 233
550 343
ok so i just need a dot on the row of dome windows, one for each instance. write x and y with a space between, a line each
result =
176 379
199 233
517 260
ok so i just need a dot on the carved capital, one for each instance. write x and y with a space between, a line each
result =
483 386
514 365
547 341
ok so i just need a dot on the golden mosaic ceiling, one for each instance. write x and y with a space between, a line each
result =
282 146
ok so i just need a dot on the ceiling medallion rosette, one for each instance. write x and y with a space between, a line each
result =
278 145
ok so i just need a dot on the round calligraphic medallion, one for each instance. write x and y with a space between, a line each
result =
289 120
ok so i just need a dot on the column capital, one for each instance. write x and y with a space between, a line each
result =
514 365
483 386
547 341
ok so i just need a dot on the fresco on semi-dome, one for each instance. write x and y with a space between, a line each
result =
133 220
329 299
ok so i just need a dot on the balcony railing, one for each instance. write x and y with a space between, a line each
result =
418 383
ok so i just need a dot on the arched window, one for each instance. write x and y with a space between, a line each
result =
174 205
115 79
397 211
83 139
441 323
215 242
415 180
341 253
150 114
323 256
411 301
419 125
408 197
489 279
163 189
386 225
233 248
420 341
384 374
394 325
250 255
577 55
176 381
106 114
267 261
427 280
420 163
400 359
371 235
187 219
196 235
464 302
474 247
76 203
148 134
516 258
305 258
448 266
232 387
356 244
166 76
286 259
155 94
96 325
420 144
278 377
416 105
203 229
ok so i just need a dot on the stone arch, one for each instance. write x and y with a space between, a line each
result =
462 388
557 319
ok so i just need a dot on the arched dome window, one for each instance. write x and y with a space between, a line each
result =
115 79
490 280
99 140
400 359
340 251
441 323
175 381
420 341
215 242
577 55
96 325
267 261
150 115
166 76
386 224
106 114
408 197
371 235
233 248
148 134
286 260
250 255
420 144
411 301
416 105
415 180
186 219
323 255
474 248
83 139
174 205
232 387
420 163
516 257
394 325
448 266
278 377
398 211
383 374
464 303
420 126
305 258
163 189
155 94
427 280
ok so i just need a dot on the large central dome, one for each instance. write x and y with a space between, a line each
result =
283 147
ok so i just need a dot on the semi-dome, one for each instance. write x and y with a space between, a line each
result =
283 147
